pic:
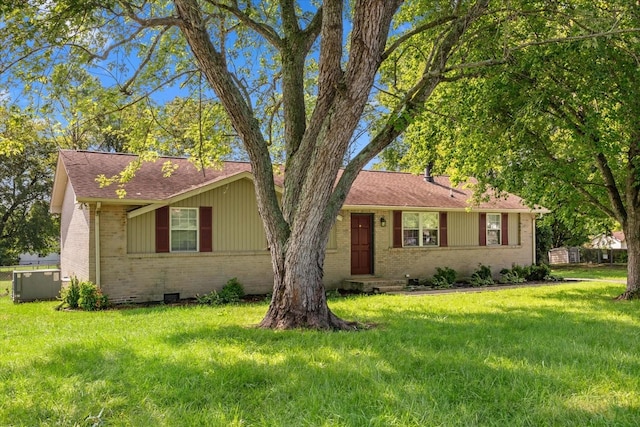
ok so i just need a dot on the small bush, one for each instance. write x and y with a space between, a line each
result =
511 276
521 271
83 294
482 276
444 278
91 297
212 298
440 283
232 292
333 294
519 274
69 295
538 272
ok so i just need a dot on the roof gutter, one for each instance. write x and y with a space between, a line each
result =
523 210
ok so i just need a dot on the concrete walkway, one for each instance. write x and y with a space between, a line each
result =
501 287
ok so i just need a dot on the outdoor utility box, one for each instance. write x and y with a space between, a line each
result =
35 285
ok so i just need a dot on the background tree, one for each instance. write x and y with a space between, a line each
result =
26 174
312 67
566 228
559 123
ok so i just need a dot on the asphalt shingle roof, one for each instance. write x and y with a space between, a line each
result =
371 188
407 190
83 167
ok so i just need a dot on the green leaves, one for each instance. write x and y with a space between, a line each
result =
26 173
555 124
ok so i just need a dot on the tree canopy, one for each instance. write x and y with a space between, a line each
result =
557 124
26 174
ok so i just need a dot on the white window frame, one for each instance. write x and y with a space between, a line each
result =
422 228
172 229
494 227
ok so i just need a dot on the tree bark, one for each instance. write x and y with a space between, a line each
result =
632 236
299 299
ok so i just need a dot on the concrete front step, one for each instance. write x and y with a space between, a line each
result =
374 284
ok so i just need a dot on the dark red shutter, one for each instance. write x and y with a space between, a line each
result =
397 229
482 233
162 229
504 229
443 229
206 229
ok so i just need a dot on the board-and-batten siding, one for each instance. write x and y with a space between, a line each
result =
463 229
514 229
236 223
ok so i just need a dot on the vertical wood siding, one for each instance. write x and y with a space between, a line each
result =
514 229
463 228
236 224
141 236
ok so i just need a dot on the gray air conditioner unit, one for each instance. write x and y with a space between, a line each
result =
35 285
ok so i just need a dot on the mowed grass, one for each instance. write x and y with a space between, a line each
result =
592 271
556 355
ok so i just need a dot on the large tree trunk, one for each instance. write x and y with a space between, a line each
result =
299 299
632 235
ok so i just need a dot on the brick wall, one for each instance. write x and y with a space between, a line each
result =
397 263
147 277
74 237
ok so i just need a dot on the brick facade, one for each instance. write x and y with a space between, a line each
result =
74 237
148 277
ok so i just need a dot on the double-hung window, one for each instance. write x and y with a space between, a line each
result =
494 229
184 229
420 229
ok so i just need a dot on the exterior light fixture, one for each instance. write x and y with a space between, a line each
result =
383 222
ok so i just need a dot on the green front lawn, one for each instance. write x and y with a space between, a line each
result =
592 271
558 355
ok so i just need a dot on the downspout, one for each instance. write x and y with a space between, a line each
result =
533 238
97 241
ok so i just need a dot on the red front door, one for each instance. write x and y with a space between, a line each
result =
361 244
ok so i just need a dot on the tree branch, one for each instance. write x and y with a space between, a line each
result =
419 29
261 28
411 105
143 63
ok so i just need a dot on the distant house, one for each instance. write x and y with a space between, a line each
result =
35 259
614 240
191 232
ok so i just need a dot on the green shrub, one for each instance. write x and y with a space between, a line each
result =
212 298
440 283
521 271
70 294
511 276
83 294
333 294
519 274
538 272
444 278
482 276
230 293
91 297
